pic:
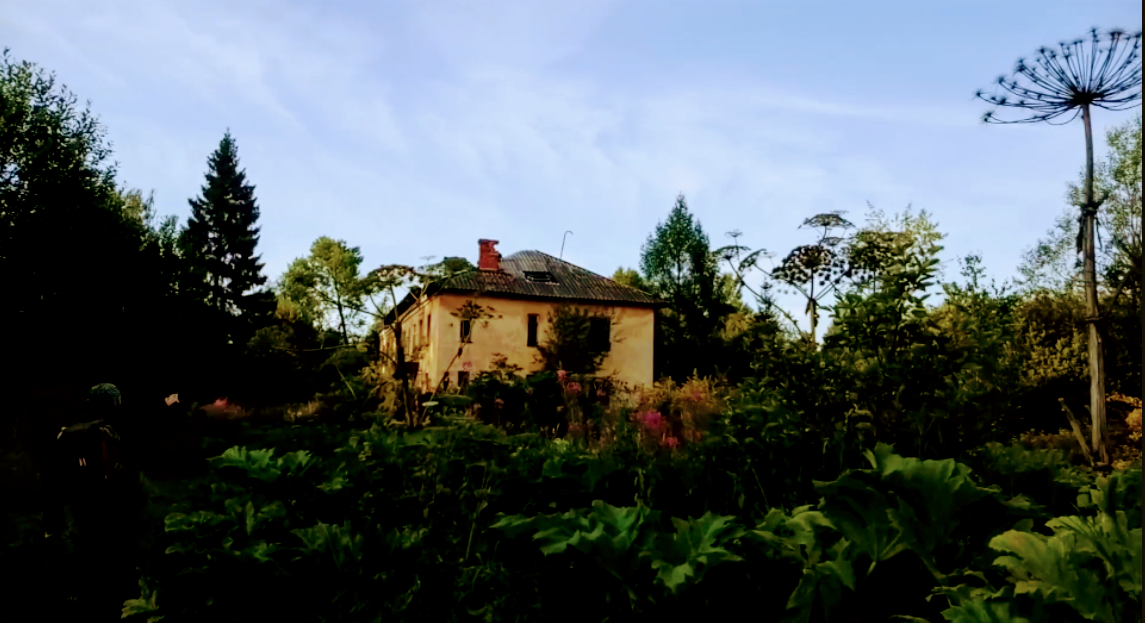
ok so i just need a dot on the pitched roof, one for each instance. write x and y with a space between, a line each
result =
537 275
527 274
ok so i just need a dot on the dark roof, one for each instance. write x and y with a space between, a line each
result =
568 281
536 275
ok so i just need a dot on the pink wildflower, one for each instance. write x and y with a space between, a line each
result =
601 395
671 442
573 388
499 403
222 407
562 375
653 420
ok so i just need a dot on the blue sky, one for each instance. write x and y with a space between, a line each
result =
413 128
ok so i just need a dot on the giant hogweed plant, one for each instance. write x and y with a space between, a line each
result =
903 538
1088 569
272 519
625 544
438 525
907 519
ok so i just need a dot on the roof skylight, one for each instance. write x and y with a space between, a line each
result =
540 276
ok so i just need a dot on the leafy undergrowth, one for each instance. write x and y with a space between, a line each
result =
463 522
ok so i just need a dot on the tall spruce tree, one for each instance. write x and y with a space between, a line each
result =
677 263
219 243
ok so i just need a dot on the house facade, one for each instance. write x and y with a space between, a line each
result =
502 309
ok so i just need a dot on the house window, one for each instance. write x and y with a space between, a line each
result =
599 338
420 332
534 319
444 386
428 324
462 380
466 331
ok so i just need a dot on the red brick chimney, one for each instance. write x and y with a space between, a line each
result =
489 259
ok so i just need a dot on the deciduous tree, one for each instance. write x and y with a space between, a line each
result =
1053 263
327 288
85 274
631 278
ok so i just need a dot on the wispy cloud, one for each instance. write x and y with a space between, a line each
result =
413 128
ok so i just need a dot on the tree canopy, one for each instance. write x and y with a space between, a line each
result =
1054 263
327 288
80 255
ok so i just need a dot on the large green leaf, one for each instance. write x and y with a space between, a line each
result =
697 545
900 503
342 544
260 464
605 533
180 522
253 518
1057 569
146 604
822 584
826 570
982 612
858 510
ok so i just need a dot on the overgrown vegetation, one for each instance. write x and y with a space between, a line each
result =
907 461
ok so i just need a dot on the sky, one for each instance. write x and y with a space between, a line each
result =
412 128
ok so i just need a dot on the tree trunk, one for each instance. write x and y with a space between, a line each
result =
341 314
1096 351
400 373
342 323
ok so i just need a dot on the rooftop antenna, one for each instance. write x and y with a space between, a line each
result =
563 245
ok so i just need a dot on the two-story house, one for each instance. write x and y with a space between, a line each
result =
515 296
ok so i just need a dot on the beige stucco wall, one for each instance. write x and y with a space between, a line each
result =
506 333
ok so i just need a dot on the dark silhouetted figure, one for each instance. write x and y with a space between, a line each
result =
90 469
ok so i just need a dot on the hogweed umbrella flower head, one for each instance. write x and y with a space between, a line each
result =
1103 70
